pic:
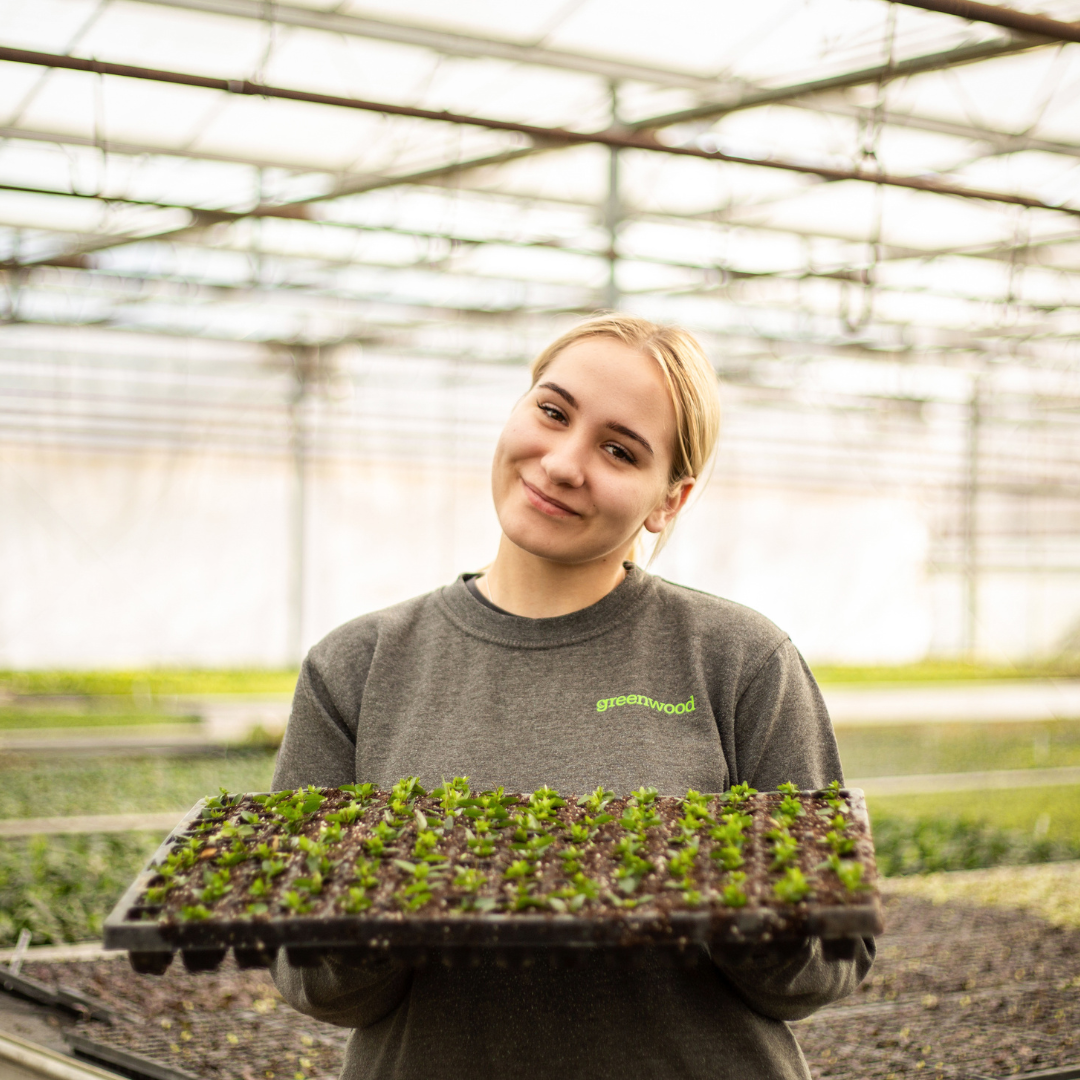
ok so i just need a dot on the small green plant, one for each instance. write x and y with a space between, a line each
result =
737 794
785 848
632 866
789 810
543 803
236 854
596 802
355 900
469 880
194 913
419 879
733 894
298 903
311 885
849 871
792 887
215 885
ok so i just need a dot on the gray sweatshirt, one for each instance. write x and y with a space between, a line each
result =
655 684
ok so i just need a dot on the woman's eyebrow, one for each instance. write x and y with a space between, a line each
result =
630 434
565 394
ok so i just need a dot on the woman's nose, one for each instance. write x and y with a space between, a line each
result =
564 463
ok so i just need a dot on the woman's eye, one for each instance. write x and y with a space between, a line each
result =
553 412
620 452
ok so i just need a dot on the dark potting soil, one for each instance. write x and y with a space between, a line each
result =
444 857
956 992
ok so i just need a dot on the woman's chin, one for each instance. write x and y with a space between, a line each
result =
554 542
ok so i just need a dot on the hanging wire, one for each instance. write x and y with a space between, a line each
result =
869 138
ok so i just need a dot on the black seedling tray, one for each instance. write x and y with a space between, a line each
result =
630 904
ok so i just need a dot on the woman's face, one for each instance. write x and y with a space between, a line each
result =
584 459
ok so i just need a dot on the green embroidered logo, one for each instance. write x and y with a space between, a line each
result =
640 699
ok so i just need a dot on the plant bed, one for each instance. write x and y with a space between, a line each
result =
414 874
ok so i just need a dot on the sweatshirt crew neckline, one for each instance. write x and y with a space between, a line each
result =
517 631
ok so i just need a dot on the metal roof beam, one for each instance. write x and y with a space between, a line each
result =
1000 142
996 15
618 137
901 69
443 41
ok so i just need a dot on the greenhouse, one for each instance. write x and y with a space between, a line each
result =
273 275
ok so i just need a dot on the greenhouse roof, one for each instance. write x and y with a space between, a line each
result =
791 179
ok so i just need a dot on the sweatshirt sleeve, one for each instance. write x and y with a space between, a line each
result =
783 733
320 748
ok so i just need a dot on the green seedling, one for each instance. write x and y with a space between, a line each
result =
216 884
789 809
237 854
632 866
787 789
424 848
533 847
728 856
366 875
792 887
362 792
194 913
841 845
469 880
731 831
312 885
260 887
330 834
644 796
543 803
638 817
355 900
733 893
596 802
349 814
580 834
526 898
574 896
522 868
156 893
381 835
481 846
249 818
265 851
272 867
418 891
737 794
296 902
784 848
407 790
849 871
570 860
233 832
317 859
682 863
626 902
257 909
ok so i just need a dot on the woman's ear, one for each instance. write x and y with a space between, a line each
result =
670 505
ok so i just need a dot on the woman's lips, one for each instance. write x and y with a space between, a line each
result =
545 504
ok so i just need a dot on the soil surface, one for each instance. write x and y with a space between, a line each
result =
422 860
956 992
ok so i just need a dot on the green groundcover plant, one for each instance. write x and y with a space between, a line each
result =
62 887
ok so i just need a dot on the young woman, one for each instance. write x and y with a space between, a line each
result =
537 672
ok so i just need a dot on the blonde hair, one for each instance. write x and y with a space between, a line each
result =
690 379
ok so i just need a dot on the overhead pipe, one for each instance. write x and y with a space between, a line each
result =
1010 18
618 138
